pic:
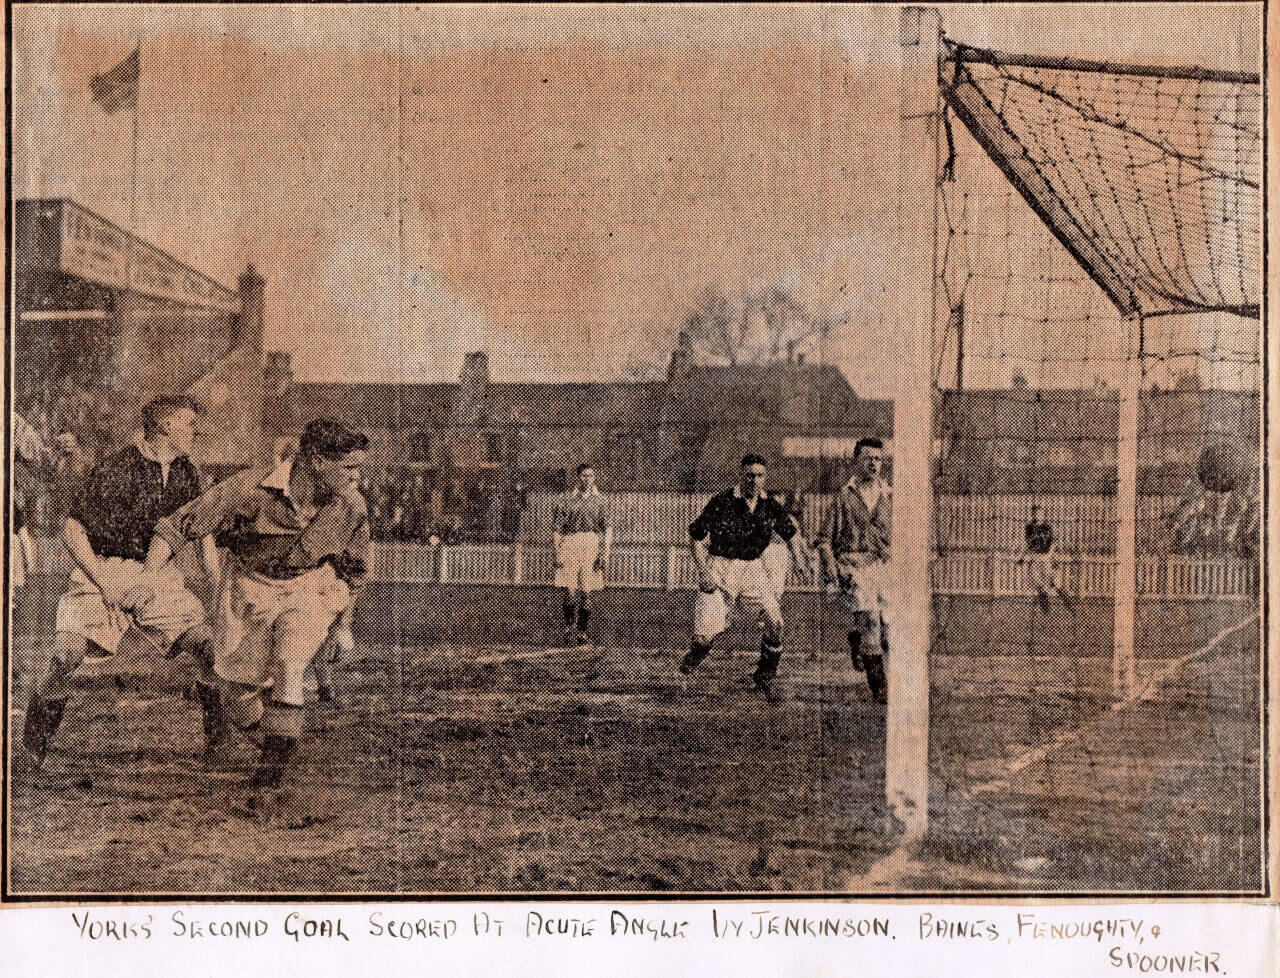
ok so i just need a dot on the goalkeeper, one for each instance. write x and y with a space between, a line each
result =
298 541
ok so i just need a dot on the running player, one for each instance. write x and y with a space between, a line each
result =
729 539
1042 563
854 547
581 538
297 535
109 594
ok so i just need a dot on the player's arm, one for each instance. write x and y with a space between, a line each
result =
557 538
354 569
788 529
202 517
605 532
699 537
823 543
29 447
209 557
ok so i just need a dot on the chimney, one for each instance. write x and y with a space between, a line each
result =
473 390
252 309
681 357
278 373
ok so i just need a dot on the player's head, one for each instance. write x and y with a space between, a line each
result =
333 453
752 473
868 457
586 477
1035 510
172 421
1219 467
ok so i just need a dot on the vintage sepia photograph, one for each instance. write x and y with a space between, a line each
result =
645 450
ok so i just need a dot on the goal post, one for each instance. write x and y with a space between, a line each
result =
1142 206
907 670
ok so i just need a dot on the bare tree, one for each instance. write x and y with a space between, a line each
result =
764 326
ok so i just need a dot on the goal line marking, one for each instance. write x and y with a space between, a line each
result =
1145 692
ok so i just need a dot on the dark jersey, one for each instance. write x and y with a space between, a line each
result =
124 497
736 530
1039 537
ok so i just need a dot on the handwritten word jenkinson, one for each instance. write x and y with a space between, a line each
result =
766 923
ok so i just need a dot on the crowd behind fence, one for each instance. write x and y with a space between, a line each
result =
1083 524
670 567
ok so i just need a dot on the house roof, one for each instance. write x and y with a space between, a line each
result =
780 395
369 405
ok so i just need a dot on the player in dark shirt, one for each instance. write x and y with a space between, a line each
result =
108 529
730 537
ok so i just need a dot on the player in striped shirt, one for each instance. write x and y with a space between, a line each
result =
581 538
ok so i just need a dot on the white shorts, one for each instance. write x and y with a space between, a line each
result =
777 563
1042 572
268 631
171 611
863 590
738 582
577 557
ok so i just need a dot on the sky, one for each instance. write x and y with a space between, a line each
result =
555 185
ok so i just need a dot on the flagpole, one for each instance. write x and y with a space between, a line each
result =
137 108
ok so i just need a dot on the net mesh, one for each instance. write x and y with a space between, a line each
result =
1093 221
1157 173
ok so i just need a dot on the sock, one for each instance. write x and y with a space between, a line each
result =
697 652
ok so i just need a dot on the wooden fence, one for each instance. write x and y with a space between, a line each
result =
1083 524
670 567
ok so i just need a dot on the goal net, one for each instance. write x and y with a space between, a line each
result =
1095 655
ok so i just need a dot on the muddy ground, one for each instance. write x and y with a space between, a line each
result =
468 753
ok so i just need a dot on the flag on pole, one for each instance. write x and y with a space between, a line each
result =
117 88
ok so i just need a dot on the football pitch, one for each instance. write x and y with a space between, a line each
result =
469 753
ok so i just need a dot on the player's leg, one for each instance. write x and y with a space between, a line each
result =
770 647
298 634
85 628
710 618
173 621
322 666
1040 576
570 615
198 643
847 606
870 627
1067 601
48 701
583 616
231 695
